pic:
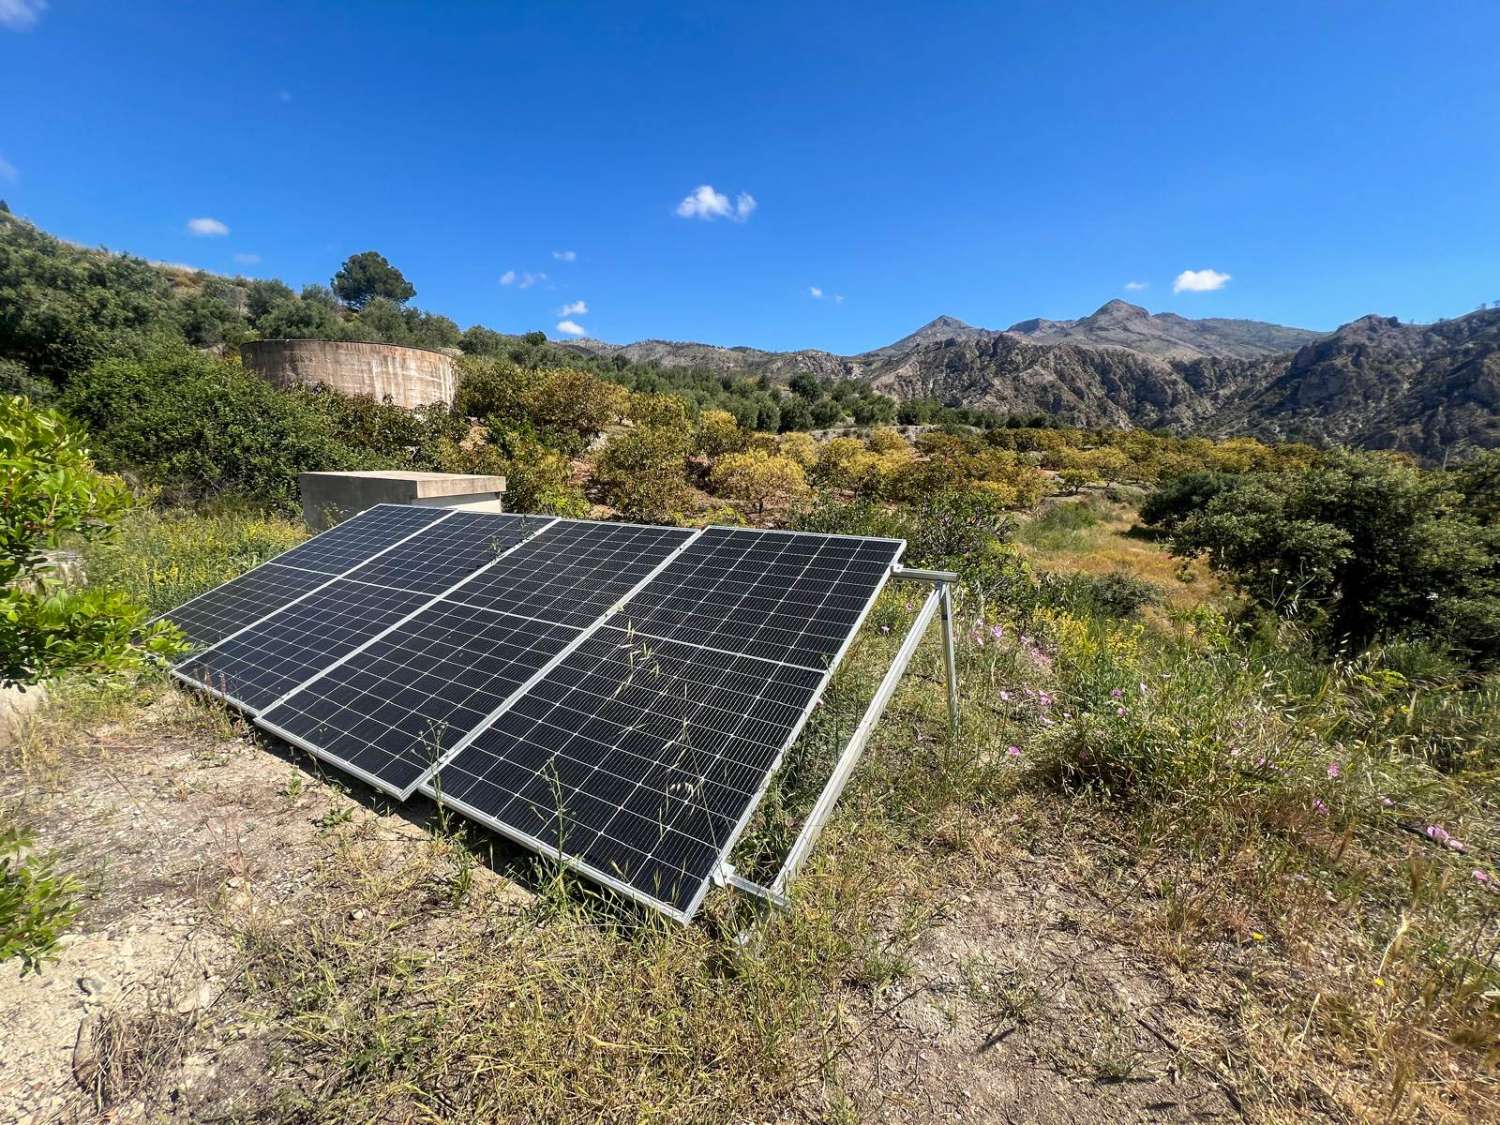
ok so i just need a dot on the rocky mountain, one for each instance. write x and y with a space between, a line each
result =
1120 324
1430 390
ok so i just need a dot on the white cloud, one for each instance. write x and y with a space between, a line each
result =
1199 281
21 15
838 298
706 203
574 308
816 292
1137 286
247 259
571 328
522 279
202 228
565 255
818 295
8 171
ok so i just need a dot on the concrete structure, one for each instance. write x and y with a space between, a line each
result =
409 377
328 498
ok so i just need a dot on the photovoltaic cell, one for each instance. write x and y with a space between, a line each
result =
635 758
574 572
788 597
393 708
358 537
262 663
212 616
437 557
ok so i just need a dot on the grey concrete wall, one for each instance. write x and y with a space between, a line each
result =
328 498
410 377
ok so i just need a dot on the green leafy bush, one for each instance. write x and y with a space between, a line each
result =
52 495
36 903
1360 547
199 426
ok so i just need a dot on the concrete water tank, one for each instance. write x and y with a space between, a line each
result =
409 377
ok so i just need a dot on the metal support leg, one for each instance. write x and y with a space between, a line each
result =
821 811
950 660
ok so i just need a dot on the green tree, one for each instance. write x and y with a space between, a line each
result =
642 472
366 276
1363 546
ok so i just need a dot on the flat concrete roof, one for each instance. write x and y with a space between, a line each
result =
425 484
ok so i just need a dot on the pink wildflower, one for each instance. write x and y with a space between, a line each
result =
1440 835
1119 712
1319 807
1116 694
1013 751
1334 769
1481 877
997 631
1005 697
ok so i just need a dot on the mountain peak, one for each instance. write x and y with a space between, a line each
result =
944 323
1117 309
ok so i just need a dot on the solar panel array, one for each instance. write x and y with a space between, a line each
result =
614 696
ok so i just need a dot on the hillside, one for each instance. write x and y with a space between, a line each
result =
1430 390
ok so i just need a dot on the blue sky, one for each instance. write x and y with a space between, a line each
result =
991 162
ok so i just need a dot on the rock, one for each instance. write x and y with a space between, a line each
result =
91 986
86 1053
193 1001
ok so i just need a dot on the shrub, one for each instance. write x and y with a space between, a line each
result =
642 473
52 495
1116 595
1361 547
36 903
758 477
719 433
200 426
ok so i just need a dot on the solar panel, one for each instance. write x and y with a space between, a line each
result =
258 665
352 542
575 572
214 615
391 710
615 695
639 758
784 596
438 556
635 758
224 610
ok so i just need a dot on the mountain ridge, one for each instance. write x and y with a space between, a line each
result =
1423 389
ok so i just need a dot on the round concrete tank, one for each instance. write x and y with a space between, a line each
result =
409 377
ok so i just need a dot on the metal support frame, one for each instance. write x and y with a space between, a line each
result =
939 601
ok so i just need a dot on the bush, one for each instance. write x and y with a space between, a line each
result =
52 496
758 477
1116 595
642 473
200 426
1361 547
36 904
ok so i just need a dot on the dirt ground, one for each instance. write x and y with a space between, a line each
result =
1011 1007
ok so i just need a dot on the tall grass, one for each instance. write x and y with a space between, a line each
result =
163 558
